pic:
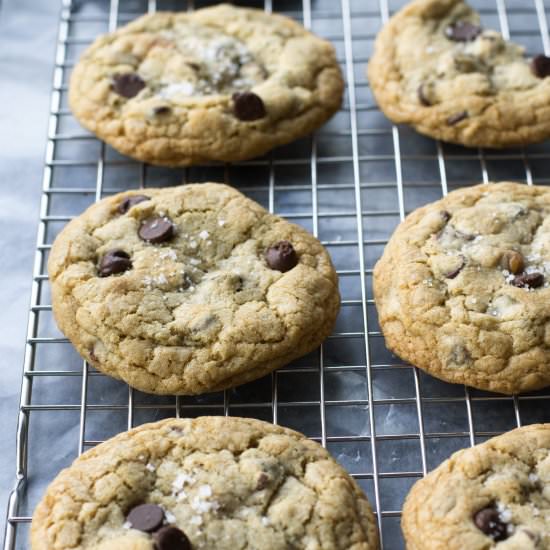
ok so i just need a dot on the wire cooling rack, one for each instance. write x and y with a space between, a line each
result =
350 184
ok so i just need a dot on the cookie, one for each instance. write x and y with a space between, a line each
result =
462 288
434 67
494 495
190 289
210 482
218 84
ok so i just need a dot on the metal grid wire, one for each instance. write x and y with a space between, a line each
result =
349 184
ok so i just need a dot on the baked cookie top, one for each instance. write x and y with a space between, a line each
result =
494 495
220 83
224 483
462 287
190 289
435 68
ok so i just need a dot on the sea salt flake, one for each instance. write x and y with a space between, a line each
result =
204 234
265 521
221 223
150 467
194 261
533 478
196 520
127 525
169 253
205 491
181 480
170 518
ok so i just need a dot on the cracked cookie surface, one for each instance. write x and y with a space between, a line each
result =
436 69
190 289
494 495
227 483
221 83
462 288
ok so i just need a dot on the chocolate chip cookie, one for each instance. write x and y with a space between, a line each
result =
221 83
494 495
190 289
211 482
436 68
462 288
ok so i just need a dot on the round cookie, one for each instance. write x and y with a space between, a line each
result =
221 83
462 288
224 482
190 289
435 68
494 495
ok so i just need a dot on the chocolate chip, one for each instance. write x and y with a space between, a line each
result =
488 520
156 230
445 215
281 256
146 517
528 280
128 84
540 65
248 106
452 274
128 202
262 481
162 110
456 118
421 93
462 31
171 538
512 261
114 261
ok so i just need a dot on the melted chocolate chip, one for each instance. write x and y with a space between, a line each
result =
114 261
456 118
422 97
281 256
156 230
488 520
128 202
462 31
262 482
248 106
146 517
528 280
128 84
171 538
540 65
162 110
452 274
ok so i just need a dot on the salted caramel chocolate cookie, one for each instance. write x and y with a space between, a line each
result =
211 482
436 68
462 288
190 289
221 83
492 496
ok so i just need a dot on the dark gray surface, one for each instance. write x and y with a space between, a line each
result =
27 46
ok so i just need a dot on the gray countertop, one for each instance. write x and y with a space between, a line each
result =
27 46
